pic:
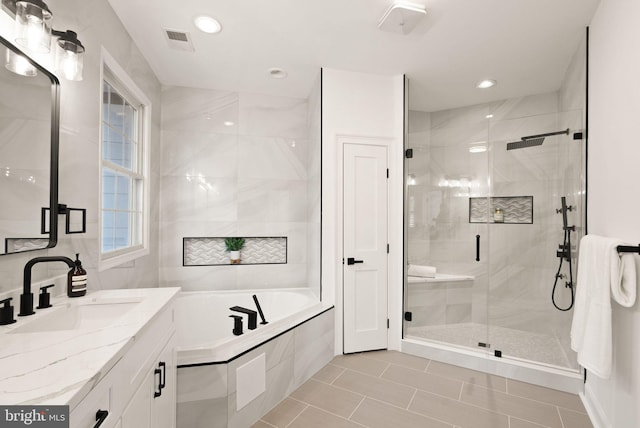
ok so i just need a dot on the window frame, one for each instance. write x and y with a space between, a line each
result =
115 75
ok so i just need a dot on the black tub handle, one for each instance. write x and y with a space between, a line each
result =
477 248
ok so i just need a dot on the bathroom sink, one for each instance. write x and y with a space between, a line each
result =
94 314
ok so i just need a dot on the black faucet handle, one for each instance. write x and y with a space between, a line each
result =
6 312
44 299
237 324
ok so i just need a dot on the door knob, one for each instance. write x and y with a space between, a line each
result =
352 261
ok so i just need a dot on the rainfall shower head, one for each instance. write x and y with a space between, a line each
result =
525 143
533 140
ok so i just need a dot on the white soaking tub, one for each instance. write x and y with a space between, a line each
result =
205 328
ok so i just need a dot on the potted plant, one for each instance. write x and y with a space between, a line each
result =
234 245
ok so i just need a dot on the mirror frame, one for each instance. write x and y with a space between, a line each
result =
55 146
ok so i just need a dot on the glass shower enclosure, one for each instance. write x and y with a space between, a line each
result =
492 191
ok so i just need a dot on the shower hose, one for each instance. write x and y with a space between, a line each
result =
567 249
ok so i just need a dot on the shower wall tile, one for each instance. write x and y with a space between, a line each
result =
525 107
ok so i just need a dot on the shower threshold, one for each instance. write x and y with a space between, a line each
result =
526 356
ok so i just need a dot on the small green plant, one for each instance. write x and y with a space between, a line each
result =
234 244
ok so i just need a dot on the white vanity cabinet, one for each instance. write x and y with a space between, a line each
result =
139 391
154 403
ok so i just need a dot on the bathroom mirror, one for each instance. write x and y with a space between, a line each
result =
29 117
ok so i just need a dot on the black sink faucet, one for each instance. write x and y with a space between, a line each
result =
253 316
26 298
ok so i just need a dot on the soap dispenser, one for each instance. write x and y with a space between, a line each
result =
77 280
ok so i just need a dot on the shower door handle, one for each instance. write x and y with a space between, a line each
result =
477 248
353 261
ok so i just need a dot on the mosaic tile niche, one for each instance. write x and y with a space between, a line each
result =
211 251
516 209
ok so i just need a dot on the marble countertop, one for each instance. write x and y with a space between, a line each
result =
61 367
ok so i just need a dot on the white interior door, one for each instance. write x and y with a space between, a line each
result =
365 247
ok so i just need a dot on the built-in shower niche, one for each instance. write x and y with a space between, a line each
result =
211 251
515 209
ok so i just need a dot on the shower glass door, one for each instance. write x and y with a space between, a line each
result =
528 319
447 167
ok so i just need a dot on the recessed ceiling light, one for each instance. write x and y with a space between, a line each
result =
277 73
229 123
489 116
487 83
207 24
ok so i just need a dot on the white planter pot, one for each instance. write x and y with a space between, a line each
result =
234 257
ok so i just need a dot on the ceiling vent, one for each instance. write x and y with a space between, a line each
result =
180 40
402 17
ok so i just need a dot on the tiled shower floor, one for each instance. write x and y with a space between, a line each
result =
521 344
386 389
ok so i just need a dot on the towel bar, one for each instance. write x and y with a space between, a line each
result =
628 249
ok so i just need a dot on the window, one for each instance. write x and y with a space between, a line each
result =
124 214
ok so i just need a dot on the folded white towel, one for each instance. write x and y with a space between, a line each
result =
600 272
623 280
422 271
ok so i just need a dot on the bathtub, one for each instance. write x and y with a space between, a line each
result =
283 354
204 328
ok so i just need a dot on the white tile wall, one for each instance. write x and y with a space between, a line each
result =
248 179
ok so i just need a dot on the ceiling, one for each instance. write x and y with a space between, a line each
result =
526 45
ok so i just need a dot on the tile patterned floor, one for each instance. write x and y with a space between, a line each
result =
387 389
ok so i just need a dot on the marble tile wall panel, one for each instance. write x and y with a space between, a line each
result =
313 346
245 164
207 251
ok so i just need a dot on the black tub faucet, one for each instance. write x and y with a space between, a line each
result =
253 316
237 324
26 298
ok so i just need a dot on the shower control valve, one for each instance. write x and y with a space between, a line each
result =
569 208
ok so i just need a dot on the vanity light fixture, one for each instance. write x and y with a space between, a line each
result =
69 55
33 25
486 84
207 24
18 64
33 32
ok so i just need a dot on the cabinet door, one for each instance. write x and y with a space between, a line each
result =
163 407
137 413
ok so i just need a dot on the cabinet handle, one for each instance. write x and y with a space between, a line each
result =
158 393
163 376
477 248
101 415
